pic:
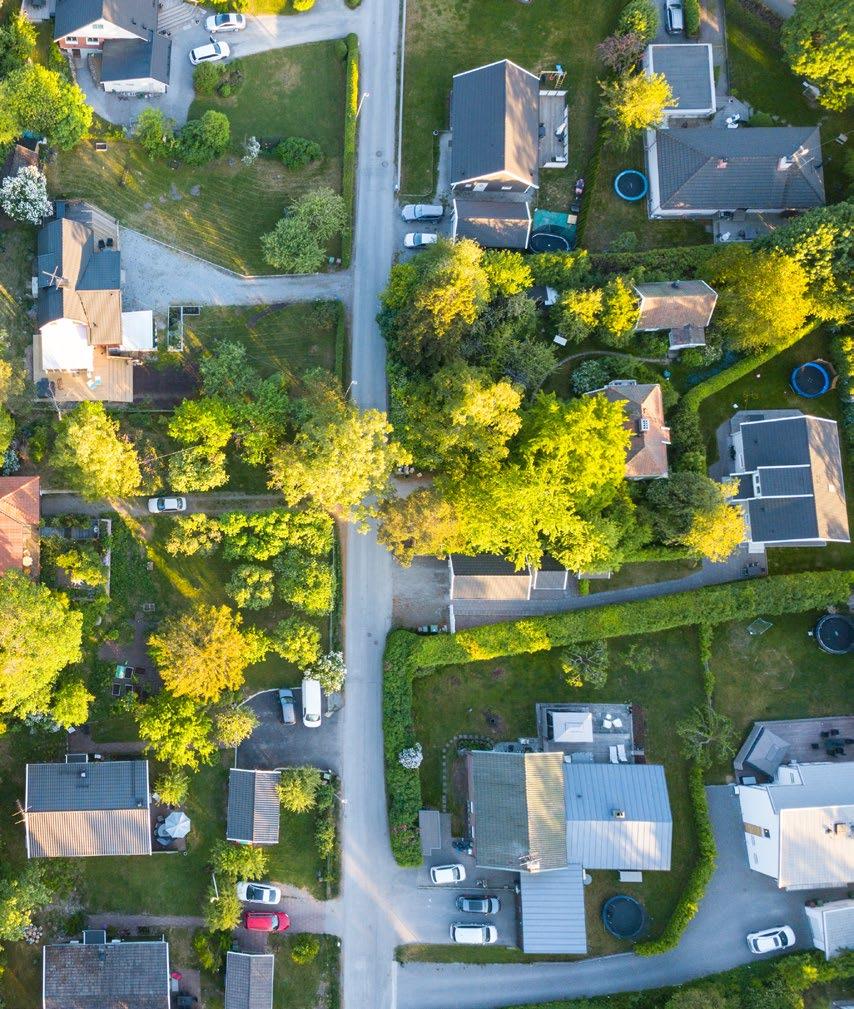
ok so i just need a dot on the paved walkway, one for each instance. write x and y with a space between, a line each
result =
65 503
713 31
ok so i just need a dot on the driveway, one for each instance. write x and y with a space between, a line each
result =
274 744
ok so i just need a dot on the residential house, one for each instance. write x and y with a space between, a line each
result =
788 468
488 576
492 223
689 70
83 810
19 524
133 56
799 827
24 153
96 974
832 926
647 455
682 307
253 807
249 980
86 345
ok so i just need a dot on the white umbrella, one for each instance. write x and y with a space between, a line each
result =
176 824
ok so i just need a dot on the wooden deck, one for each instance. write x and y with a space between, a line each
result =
111 380
800 734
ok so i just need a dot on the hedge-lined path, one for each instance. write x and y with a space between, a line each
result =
66 503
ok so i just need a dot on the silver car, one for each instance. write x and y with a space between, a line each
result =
479 905
423 212
165 505
225 23
210 53
289 712
674 17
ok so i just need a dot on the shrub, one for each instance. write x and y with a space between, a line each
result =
297 152
654 264
351 105
639 17
238 861
691 9
173 786
305 947
202 140
222 913
325 835
206 76
296 640
210 948
303 5
298 788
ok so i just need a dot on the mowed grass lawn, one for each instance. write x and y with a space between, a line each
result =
444 37
218 211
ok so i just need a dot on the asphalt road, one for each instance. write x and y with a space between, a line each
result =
274 744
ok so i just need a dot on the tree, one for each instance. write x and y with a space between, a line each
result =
717 534
173 786
7 430
20 898
330 672
305 947
234 724
706 997
505 339
263 422
305 582
83 565
296 640
298 788
223 912
423 523
761 296
18 39
577 313
672 504
200 652
227 372
818 41
155 132
238 861
251 587
508 273
209 420
201 140
42 101
620 51
197 468
297 152
92 458
586 664
619 312
261 536
23 197
340 456
176 731
707 735
297 244
193 534
639 17
71 702
634 101
39 636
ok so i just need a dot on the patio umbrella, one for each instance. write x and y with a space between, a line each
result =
176 824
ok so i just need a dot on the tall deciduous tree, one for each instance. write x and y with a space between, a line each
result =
691 509
297 244
297 641
238 861
176 731
20 898
508 273
37 99
298 788
818 40
421 524
92 457
71 702
201 140
716 534
634 101
234 724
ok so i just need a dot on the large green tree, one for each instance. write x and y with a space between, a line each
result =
818 40
634 101
176 730
71 702
201 140
506 340
20 897
691 509
423 523
41 100
39 636
297 244
92 458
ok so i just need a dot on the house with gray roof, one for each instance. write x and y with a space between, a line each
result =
689 70
832 926
707 170
82 810
253 807
96 974
681 307
487 576
494 224
249 980
788 468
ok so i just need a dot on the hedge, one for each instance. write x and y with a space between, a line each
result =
351 107
657 552
592 177
408 656
842 353
691 9
686 262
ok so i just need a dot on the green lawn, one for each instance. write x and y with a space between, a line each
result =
296 91
294 860
645 573
444 37
314 985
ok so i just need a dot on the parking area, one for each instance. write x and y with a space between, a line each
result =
274 744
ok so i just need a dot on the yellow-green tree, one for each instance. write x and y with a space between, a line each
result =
91 457
717 533
634 101
176 730
422 524
818 40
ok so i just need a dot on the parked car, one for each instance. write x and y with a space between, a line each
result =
259 893
422 212
448 874
473 935
210 53
225 23
261 921
286 700
164 505
771 939
479 905
674 20
418 240
311 703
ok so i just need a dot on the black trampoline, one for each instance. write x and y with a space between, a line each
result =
544 241
623 916
835 633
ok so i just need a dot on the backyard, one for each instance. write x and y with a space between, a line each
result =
218 211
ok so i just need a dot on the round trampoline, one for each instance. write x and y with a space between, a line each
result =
623 916
544 241
812 379
835 633
631 185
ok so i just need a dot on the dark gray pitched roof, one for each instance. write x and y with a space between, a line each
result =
88 809
249 980
688 69
131 60
775 443
768 752
137 16
494 224
125 975
519 810
710 168
782 519
495 120
253 807
485 564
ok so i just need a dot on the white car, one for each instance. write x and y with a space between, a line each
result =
473 935
164 505
210 53
225 23
422 212
771 939
417 240
448 874
259 893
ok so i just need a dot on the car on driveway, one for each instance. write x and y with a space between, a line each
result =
473 935
674 19
479 905
770 940
440 874
422 212
210 53
259 921
419 240
165 505
259 893
225 23
286 702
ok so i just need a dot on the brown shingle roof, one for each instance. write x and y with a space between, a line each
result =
19 521
672 305
647 456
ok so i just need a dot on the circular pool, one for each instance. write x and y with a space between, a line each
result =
835 633
544 241
623 916
631 185
811 380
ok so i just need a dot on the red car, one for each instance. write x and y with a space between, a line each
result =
260 922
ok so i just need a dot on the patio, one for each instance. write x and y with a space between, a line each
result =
159 813
554 132
599 733
805 740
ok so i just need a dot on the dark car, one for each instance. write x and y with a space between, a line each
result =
286 700
479 905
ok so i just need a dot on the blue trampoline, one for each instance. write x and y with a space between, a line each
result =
631 185
812 379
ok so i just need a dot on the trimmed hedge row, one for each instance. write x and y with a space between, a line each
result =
351 106
658 552
691 9
686 262
408 656
592 177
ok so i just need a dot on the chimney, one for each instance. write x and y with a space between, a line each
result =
618 814
722 163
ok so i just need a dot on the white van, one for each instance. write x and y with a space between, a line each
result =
473 935
311 704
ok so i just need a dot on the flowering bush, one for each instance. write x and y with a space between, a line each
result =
411 757
329 671
252 146
23 197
